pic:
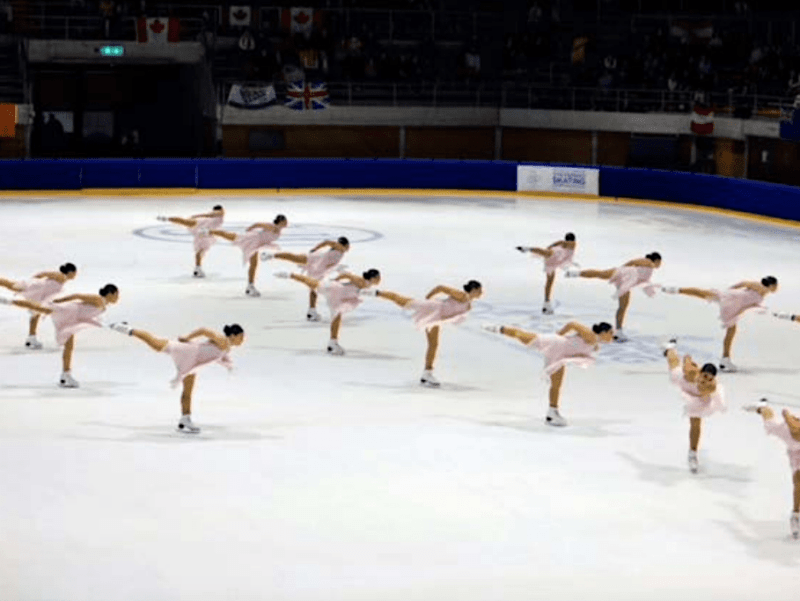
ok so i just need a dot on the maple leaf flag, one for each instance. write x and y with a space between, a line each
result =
299 19
158 30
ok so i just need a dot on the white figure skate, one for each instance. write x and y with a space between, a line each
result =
185 426
428 380
312 315
252 291
692 460
334 348
198 272
726 365
554 418
32 343
67 381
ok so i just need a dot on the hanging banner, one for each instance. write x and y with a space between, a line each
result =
252 97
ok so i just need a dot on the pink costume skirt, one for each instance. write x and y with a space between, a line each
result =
733 302
694 404
254 240
204 241
434 311
560 258
69 318
40 290
190 356
341 298
628 277
560 350
321 262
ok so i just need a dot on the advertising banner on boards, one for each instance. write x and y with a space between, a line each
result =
569 180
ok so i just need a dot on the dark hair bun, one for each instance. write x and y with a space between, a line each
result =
233 330
709 368
654 256
343 241
472 285
217 207
108 289
67 268
280 218
601 327
370 273
570 237
769 280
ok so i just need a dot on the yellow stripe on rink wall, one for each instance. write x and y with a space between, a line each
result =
154 193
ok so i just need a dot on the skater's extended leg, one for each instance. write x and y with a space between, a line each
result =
182 221
312 300
698 293
433 346
66 356
230 236
294 258
310 282
397 299
602 274
26 304
521 335
335 325
186 395
728 342
624 301
695 424
33 324
251 271
548 286
154 342
555 387
542 252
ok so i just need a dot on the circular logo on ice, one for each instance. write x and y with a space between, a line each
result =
299 235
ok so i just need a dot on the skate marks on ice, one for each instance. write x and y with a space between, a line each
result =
88 389
162 433
725 478
296 235
531 424
321 351
414 388
763 539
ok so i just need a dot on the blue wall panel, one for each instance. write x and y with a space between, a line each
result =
102 173
772 200
167 173
40 175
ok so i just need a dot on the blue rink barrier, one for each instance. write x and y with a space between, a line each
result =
772 200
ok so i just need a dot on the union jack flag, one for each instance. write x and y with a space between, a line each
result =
307 96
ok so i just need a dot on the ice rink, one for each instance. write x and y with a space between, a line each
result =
340 478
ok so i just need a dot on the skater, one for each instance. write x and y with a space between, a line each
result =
71 314
40 289
788 431
702 394
200 225
733 302
189 355
630 275
342 295
257 236
317 263
574 343
430 313
556 256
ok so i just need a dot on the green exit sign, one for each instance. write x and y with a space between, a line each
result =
112 50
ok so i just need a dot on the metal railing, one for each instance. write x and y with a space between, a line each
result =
508 95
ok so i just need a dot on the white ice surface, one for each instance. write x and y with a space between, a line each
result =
340 478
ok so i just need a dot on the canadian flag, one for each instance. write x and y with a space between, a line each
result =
158 30
240 16
299 20
702 120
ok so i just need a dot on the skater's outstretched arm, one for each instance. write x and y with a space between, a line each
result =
324 243
51 275
542 252
639 263
202 215
264 226
754 286
351 277
458 295
31 306
91 299
673 360
581 330
223 234
218 339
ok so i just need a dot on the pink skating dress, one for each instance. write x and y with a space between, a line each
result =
560 258
696 405
628 277
203 241
190 356
777 427
733 302
321 262
40 290
436 311
342 297
257 238
71 317
560 350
